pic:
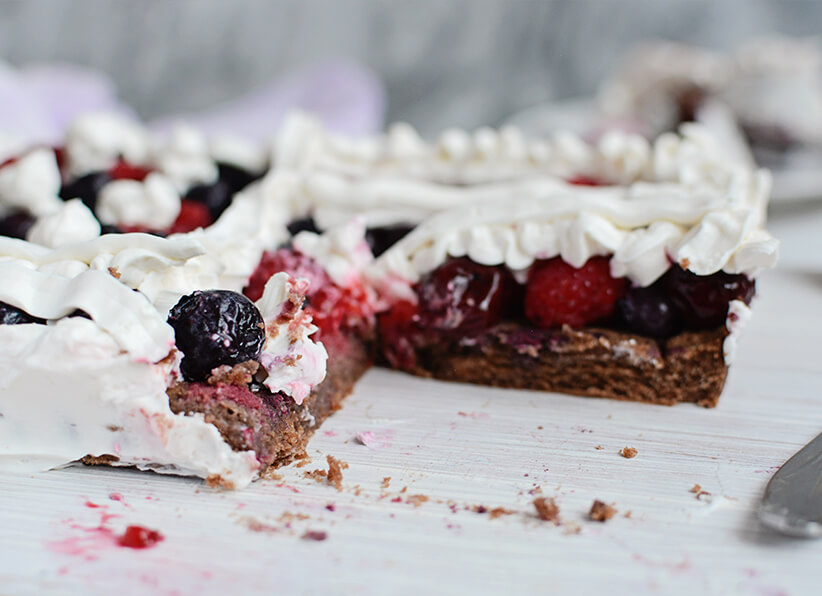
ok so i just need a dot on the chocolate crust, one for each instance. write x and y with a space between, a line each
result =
689 367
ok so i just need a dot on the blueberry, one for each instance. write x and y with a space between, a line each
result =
216 327
16 225
86 188
11 315
381 239
649 311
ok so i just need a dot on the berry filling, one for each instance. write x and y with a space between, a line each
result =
461 300
332 308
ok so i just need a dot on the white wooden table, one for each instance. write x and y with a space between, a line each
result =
463 446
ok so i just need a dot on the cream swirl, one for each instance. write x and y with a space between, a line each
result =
153 203
184 158
72 222
31 184
95 142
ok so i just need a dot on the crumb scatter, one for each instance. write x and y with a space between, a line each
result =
628 452
601 512
547 509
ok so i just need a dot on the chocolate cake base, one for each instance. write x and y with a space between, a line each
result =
249 417
689 367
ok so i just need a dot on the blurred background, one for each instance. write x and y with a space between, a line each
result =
440 62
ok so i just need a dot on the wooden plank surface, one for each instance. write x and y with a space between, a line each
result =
456 447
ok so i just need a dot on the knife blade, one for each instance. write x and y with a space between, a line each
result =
792 503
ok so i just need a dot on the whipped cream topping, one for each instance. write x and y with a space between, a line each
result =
96 141
699 211
342 251
739 314
72 222
771 82
153 203
184 158
31 184
293 363
238 152
67 390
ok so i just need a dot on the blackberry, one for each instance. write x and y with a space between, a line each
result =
305 224
11 315
381 239
86 188
16 225
216 327
217 195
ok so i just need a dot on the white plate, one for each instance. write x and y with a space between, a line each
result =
796 181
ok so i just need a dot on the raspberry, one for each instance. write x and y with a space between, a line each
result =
125 171
192 215
330 306
703 299
462 297
215 327
139 537
558 294
293 263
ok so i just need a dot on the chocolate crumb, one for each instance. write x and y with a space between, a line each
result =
417 500
547 509
628 452
335 468
499 512
318 536
240 374
601 512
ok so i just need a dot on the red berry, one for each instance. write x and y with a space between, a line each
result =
585 181
462 297
192 215
398 331
125 171
559 294
293 263
703 299
139 537
330 306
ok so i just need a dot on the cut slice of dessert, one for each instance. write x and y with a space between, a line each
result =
632 291
93 371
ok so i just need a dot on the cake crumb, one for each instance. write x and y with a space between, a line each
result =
315 535
114 272
335 468
417 500
599 447
704 495
240 374
627 514
499 512
696 489
601 512
628 452
547 509
386 481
